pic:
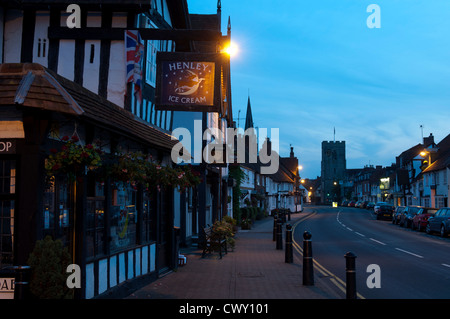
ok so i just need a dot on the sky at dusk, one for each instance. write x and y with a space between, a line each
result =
312 66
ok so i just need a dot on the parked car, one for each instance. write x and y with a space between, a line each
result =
370 205
358 204
377 206
396 216
363 204
440 222
352 204
407 215
345 203
385 211
420 221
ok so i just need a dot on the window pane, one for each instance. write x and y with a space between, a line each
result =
7 177
123 218
6 232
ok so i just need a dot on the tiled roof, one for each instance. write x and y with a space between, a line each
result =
32 85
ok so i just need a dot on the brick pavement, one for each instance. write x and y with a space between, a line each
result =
254 270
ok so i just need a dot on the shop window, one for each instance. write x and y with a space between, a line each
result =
7 204
149 218
6 232
57 209
95 232
123 217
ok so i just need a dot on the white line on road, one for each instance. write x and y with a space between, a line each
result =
377 241
362 235
408 252
446 265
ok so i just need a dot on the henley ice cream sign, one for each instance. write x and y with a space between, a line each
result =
188 82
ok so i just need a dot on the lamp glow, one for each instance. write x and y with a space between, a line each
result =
231 49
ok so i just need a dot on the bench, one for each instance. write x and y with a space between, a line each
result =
213 241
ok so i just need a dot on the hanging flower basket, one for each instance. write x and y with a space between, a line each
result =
129 167
73 158
137 168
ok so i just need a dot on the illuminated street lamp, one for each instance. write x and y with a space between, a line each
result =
231 49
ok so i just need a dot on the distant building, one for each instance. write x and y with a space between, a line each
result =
333 168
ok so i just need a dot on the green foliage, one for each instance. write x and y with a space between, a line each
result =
48 262
225 229
237 174
72 158
136 167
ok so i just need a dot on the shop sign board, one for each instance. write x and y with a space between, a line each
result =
188 81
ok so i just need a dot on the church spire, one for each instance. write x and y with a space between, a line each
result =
249 116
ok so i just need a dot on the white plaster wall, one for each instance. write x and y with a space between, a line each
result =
66 59
102 276
113 271
2 19
117 64
91 70
40 32
12 36
117 75
90 279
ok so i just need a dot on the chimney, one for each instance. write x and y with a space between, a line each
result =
292 152
427 141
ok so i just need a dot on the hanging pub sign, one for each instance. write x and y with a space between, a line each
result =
188 81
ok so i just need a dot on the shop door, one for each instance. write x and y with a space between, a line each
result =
7 205
165 231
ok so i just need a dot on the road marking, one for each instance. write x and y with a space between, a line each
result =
408 252
362 235
377 241
339 283
445 265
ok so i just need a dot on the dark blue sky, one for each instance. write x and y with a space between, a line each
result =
312 66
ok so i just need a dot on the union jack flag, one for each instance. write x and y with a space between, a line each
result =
134 53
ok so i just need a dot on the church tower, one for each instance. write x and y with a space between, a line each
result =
333 169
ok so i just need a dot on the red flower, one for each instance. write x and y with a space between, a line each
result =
64 147
65 138
75 138
89 146
53 150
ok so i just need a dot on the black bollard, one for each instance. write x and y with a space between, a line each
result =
22 284
350 270
289 257
308 269
280 235
275 217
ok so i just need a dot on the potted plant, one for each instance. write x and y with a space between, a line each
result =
224 229
48 262
246 223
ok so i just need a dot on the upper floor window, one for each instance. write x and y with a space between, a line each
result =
152 47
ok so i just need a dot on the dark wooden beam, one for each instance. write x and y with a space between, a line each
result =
64 33
28 26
